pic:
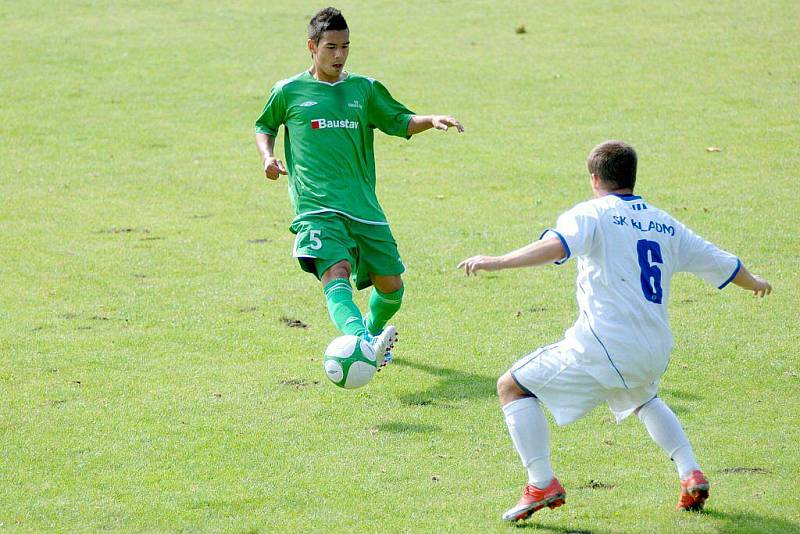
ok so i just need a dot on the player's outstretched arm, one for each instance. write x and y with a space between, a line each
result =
537 253
420 123
751 282
273 167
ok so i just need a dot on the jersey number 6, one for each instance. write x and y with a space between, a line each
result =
649 255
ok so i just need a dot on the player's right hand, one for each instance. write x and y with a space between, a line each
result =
273 168
443 122
478 263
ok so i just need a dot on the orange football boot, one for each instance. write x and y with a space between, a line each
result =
694 492
534 499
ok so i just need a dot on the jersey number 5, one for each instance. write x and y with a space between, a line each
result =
316 242
649 255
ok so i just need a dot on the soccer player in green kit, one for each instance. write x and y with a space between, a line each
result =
329 117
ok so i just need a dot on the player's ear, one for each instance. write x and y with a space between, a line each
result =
312 46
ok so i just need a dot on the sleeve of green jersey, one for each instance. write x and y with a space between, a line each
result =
387 114
273 114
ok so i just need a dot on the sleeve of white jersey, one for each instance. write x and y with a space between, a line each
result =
576 229
696 255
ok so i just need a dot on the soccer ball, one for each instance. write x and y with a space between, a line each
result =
349 362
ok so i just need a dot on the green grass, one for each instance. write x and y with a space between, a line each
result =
147 382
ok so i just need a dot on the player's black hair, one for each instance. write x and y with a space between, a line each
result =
328 19
615 163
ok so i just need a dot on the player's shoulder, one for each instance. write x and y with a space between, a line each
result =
360 78
281 85
613 202
648 213
663 215
590 207
364 83
368 82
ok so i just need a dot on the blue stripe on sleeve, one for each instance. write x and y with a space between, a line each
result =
732 276
563 243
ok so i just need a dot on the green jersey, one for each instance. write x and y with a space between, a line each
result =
328 141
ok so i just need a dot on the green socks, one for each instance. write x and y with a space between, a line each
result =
382 306
346 315
344 312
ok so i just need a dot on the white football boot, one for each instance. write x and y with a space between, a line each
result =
383 343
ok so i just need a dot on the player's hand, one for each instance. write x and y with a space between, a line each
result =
443 122
761 288
273 168
479 263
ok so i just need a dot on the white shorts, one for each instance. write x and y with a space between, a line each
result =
552 374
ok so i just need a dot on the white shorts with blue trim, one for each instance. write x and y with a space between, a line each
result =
553 375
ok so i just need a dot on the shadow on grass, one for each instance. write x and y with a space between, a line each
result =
454 385
406 428
555 528
673 398
678 409
748 522
220 504
742 522
680 394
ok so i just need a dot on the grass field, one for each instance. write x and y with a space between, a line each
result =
149 380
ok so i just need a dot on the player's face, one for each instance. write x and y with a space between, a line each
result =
330 54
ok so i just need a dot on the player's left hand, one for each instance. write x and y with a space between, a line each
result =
479 263
761 288
443 122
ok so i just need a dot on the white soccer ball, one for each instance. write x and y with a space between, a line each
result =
349 362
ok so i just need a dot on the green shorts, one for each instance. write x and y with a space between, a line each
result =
324 239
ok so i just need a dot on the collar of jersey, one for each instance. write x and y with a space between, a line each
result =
626 196
328 83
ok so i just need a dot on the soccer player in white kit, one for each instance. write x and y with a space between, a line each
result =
627 252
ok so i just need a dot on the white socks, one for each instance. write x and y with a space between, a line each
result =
666 430
531 436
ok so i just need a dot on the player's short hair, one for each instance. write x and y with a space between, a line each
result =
615 163
328 19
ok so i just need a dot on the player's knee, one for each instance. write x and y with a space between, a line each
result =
508 390
387 284
642 410
338 270
395 284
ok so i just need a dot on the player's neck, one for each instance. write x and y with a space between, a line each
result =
598 193
321 76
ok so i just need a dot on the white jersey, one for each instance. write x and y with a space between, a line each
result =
627 252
